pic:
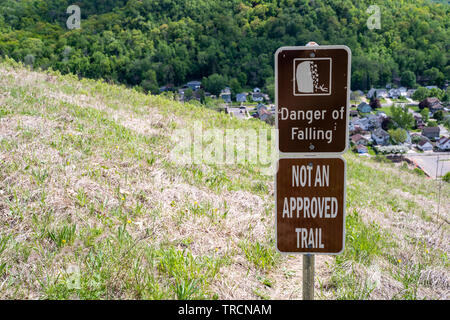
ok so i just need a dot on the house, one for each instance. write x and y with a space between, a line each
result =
257 96
431 103
431 87
361 123
382 115
374 121
380 137
361 149
241 97
194 85
431 132
394 93
363 107
410 92
403 91
443 143
358 139
167 87
371 93
266 97
425 145
381 93
419 120
225 94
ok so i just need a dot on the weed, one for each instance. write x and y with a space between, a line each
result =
63 236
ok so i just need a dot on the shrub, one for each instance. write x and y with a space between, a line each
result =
446 177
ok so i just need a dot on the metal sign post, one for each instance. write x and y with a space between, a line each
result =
308 276
312 89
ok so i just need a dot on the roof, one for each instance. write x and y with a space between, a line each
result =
423 142
357 137
362 104
361 147
430 102
444 140
241 97
381 133
431 130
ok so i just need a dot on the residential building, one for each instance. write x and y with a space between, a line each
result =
194 85
361 149
364 107
358 139
241 97
394 93
257 96
381 93
443 144
361 123
371 93
425 145
431 103
380 137
374 121
410 92
226 95
431 132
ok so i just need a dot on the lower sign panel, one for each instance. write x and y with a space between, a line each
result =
310 205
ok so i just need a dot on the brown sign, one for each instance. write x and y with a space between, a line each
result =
312 96
310 205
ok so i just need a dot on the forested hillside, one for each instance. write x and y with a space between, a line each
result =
154 42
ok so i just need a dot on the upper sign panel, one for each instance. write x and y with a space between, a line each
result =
312 96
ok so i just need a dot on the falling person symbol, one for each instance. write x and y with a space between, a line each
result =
307 77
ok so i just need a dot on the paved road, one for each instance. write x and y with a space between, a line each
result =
429 162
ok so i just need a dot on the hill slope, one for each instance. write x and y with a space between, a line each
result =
91 206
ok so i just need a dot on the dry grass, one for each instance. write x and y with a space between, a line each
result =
94 156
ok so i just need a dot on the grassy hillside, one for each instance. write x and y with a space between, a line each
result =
92 207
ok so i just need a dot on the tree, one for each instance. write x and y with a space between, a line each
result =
214 83
431 123
425 113
435 76
408 79
416 139
402 117
235 87
438 115
446 122
375 103
188 94
398 136
446 177
420 94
